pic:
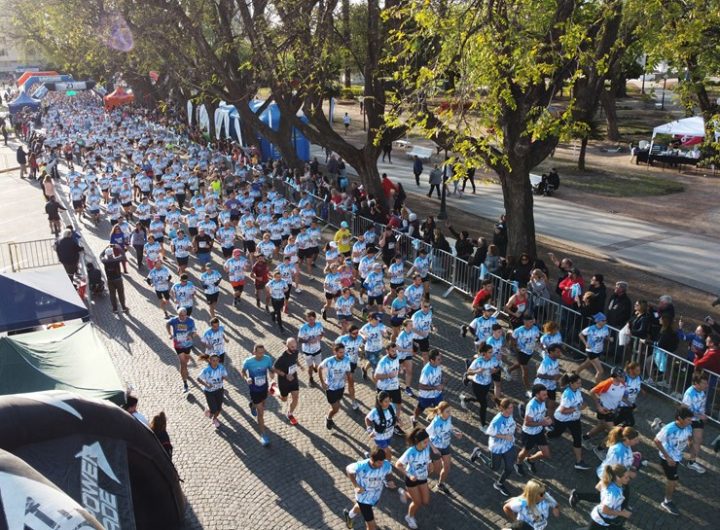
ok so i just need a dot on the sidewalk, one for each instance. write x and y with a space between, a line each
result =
685 258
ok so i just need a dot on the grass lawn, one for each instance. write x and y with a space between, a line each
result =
626 185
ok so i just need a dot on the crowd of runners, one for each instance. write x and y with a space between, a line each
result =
178 210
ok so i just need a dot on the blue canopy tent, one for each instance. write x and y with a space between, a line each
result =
35 297
23 101
271 117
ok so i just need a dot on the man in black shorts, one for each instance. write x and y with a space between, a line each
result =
533 430
671 442
286 367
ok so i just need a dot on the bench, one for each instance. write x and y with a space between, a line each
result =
423 153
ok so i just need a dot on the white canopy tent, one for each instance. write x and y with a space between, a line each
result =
694 126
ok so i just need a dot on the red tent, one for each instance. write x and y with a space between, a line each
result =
27 75
117 98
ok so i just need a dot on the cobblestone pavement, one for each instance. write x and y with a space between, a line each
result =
232 482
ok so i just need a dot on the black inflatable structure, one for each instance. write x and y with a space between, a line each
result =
99 455
29 500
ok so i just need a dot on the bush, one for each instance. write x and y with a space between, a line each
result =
347 93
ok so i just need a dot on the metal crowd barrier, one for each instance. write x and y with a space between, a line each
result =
31 254
671 382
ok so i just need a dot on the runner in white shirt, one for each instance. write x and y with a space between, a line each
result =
310 337
533 507
183 294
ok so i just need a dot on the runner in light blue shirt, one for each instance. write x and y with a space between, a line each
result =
526 339
695 398
441 432
368 478
256 370
671 441
333 375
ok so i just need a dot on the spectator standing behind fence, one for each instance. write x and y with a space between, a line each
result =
620 307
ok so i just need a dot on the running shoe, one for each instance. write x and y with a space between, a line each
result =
521 411
532 467
186 389
581 466
519 470
600 452
501 488
216 423
478 455
252 409
355 405
398 432
573 499
324 314
298 290
403 495
506 375
463 331
264 440
292 419
329 424
528 394
411 522
409 392
348 520
656 425
463 402
483 429
440 486
696 467
669 507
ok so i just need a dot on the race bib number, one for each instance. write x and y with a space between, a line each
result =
292 370
260 380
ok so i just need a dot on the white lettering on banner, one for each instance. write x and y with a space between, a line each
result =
31 505
102 504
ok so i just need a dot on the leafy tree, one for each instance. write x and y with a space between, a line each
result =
507 60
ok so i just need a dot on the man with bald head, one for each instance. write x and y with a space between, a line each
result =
286 367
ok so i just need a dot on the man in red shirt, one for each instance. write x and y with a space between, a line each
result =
483 296
710 360
261 275
388 187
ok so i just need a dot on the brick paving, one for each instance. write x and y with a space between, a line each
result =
299 482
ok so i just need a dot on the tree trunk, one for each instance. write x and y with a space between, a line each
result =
607 98
581 155
346 37
518 201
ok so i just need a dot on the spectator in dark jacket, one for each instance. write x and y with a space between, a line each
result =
440 242
641 321
521 271
112 262
481 250
21 157
596 302
619 308
68 252
463 246
500 239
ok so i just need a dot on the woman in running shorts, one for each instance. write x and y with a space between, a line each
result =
414 464
441 432
381 421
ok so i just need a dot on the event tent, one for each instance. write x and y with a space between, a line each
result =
227 123
23 101
35 297
117 98
271 117
70 357
694 126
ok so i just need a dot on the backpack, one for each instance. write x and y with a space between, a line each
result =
383 424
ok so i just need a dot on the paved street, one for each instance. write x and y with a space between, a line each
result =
627 240
232 482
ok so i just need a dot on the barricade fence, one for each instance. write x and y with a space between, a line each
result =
21 255
665 372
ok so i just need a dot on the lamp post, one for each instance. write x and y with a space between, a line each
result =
664 71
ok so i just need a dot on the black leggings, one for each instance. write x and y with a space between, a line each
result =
278 304
575 428
507 459
594 496
481 392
